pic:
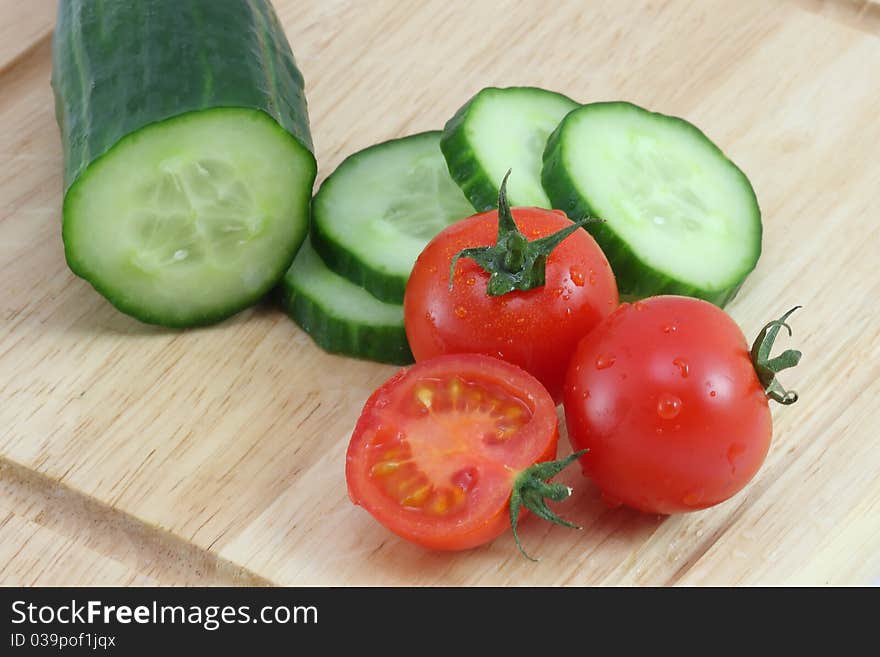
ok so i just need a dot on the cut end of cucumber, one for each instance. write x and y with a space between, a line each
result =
191 219
675 208
191 212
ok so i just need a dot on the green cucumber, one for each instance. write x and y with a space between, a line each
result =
188 164
501 129
373 216
679 216
340 316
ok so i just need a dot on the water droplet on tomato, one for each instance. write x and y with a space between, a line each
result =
577 276
668 406
585 394
460 312
592 277
735 451
712 393
558 292
604 361
470 281
670 328
682 366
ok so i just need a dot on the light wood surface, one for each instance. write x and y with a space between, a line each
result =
134 455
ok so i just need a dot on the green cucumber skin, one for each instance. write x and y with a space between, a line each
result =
389 288
635 278
120 66
383 344
385 287
462 161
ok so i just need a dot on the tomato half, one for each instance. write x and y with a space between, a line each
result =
666 397
438 448
536 329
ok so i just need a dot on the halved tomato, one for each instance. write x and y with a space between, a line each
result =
445 452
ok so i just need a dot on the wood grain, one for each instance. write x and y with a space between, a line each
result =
231 438
23 26
53 534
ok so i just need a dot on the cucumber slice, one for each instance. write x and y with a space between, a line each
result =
680 218
501 129
340 316
373 216
187 155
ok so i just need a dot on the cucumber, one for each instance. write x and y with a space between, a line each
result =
373 216
501 129
188 164
340 316
679 216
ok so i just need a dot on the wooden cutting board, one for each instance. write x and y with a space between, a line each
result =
133 454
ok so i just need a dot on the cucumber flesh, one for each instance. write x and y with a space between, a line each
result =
500 129
375 213
179 227
679 216
340 316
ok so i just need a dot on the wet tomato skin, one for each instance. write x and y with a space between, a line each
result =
449 449
664 395
535 329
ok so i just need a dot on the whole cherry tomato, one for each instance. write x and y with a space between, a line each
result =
672 405
523 285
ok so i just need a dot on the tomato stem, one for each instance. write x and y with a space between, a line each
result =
531 489
514 263
767 368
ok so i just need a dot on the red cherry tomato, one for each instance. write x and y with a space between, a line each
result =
536 329
440 448
665 396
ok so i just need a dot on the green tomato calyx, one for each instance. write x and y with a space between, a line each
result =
767 368
531 490
514 263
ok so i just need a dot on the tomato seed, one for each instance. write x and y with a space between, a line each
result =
418 496
384 468
425 395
